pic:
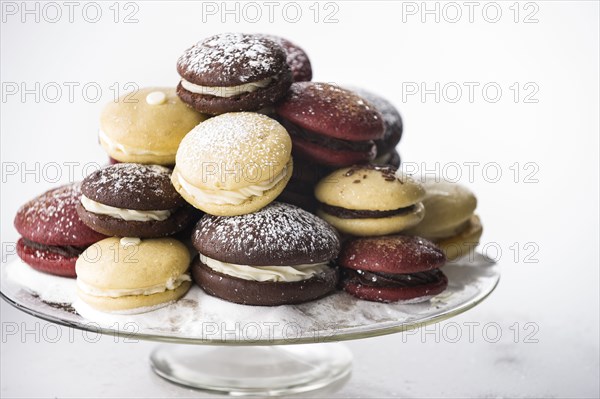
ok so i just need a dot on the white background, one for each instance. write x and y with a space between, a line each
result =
377 46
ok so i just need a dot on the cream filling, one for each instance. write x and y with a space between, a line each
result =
171 284
227 91
229 197
129 215
285 274
114 146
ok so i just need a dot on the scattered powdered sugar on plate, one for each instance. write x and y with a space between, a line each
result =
198 316
49 288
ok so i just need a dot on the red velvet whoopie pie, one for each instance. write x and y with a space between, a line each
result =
392 268
329 125
53 235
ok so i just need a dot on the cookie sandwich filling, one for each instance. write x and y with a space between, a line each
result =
121 213
285 274
226 91
228 197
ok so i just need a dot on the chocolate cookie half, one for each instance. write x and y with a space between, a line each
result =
133 200
297 59
233 72
392 268
276 256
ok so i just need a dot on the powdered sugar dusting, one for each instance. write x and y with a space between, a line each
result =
236 147
331 110
225 53
131 185
52 219
279 231
392 254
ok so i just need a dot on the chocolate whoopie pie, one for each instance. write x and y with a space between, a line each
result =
133 200
386 153
52 233
276 256
296 58
233 72
329 125
392 269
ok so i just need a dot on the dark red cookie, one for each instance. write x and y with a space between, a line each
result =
263 293
392 268
53 234
330 125
279 235
134 200
232 60
391 119
297 59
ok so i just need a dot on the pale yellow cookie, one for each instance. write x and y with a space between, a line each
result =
146 126
464 242
370 200
374 188
448 206
233 164
126 274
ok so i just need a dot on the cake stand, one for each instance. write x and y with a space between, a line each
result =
216 346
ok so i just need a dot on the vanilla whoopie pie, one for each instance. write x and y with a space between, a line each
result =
131 275
233 72
276 256
450 220
233 164
146 126
370 200
133 200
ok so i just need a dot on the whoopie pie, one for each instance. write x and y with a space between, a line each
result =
392 268
330 125
233 72
52 233
276 256
133 200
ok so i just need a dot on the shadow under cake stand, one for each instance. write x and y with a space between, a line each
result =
246 350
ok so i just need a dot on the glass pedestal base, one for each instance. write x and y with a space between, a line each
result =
253 370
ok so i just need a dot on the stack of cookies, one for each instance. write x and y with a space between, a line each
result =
260 186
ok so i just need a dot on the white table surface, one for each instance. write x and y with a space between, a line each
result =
369 46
